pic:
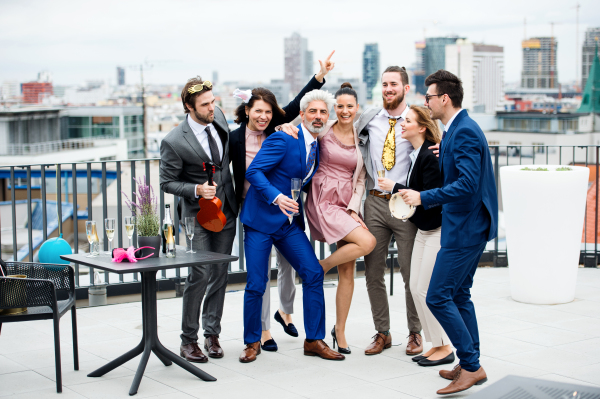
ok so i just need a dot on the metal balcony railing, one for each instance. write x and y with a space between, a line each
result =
48 147
82 199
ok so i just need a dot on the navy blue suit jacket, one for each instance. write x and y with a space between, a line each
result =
280 159
468 194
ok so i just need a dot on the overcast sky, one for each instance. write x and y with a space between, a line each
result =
243 39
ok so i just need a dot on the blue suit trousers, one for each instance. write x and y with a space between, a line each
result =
449 299
293 244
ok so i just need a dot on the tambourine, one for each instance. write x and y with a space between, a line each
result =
400 209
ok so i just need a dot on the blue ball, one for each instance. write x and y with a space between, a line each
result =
51 250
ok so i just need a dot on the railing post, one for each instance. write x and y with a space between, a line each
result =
59 196
89 209
14 211
29 212
44 210
497 176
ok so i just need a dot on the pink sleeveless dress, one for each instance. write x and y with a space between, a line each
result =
331 191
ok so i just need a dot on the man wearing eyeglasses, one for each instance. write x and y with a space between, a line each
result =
202 137
385 151
469 220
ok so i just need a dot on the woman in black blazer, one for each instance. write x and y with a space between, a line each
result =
258 116
424 174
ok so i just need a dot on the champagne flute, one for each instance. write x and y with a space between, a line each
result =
109 228
92 236
296 187
130 227
190 224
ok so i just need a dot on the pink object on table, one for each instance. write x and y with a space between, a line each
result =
122 254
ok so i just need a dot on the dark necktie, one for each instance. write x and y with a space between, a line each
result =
214 149
311 157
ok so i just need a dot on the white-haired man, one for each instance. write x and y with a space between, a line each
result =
267 215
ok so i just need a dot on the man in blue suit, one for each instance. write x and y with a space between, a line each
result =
469 219
268 220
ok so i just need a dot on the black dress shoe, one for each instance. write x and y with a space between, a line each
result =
418 358
289 329
269 345
428 363
345 351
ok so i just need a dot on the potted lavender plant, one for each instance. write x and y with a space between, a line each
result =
145 210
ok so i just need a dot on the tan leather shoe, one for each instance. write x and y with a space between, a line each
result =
414 346
250 352
449 374
192 353
464 380
380 342
212 346
320 348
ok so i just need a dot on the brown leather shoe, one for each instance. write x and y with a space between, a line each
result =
211 344
250 352
319 348
414 346
464 380
380 342
192 353
449 374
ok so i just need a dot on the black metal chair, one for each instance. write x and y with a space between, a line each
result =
39 293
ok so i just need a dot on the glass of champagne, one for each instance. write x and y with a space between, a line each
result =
92 236
190 224
296 187
130 227
109 228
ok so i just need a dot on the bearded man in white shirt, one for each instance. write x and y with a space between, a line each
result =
385 151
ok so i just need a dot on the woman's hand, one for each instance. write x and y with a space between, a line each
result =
355 216
288 129
386 184
326 67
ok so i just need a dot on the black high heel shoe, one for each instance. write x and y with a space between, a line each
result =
345 351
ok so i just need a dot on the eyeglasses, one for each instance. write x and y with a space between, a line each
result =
200 87
428 96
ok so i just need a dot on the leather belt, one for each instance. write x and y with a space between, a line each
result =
380 194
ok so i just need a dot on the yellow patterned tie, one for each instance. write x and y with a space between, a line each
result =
388 158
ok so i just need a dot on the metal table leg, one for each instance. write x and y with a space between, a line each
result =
150 342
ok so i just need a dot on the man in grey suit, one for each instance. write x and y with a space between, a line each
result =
202 137
384 150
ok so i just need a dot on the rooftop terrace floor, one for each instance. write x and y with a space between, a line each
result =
559 343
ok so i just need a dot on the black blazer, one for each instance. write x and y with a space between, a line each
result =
237 138
425 175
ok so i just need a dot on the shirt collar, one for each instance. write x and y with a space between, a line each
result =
308 138
196 127
451 120
384 112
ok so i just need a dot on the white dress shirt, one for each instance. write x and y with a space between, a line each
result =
202 137
413 158
451 120
378 128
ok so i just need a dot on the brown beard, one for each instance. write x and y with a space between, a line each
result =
394 104
204 118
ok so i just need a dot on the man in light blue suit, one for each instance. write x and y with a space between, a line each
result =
469 220
267 218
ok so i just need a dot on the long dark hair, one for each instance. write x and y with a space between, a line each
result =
259 93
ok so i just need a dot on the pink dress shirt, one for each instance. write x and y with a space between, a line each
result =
254 140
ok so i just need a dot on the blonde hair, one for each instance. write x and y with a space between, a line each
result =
432 130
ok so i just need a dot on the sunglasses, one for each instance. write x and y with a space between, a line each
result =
199 87
428 96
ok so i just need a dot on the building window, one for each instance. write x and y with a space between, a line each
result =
539 148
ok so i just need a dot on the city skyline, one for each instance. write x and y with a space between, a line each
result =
77 44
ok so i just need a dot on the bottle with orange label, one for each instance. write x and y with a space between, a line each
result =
168 234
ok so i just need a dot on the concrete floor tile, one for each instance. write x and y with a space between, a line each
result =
587 373
10 366
357 392
566 380
547 336
500 324
25 382
101 388
551 360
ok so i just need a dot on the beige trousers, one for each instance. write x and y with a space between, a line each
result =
427 245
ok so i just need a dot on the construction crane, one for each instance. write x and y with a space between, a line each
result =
577 7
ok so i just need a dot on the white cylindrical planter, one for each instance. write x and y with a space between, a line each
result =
544 214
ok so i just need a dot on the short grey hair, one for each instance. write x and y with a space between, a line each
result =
317 95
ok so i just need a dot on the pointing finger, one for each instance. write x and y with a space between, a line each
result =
328 58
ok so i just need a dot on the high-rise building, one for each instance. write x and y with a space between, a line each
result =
298 62
215 77
121 76
370 67
435 53
539 63
481 69
592 38
35 92
10 89
419 70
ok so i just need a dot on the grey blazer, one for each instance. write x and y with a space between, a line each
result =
181 158
363 144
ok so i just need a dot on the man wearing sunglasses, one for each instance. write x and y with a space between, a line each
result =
202 137
469 220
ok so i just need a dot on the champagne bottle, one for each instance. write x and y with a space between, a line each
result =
162 233
168 234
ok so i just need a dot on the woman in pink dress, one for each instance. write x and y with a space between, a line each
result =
333 204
